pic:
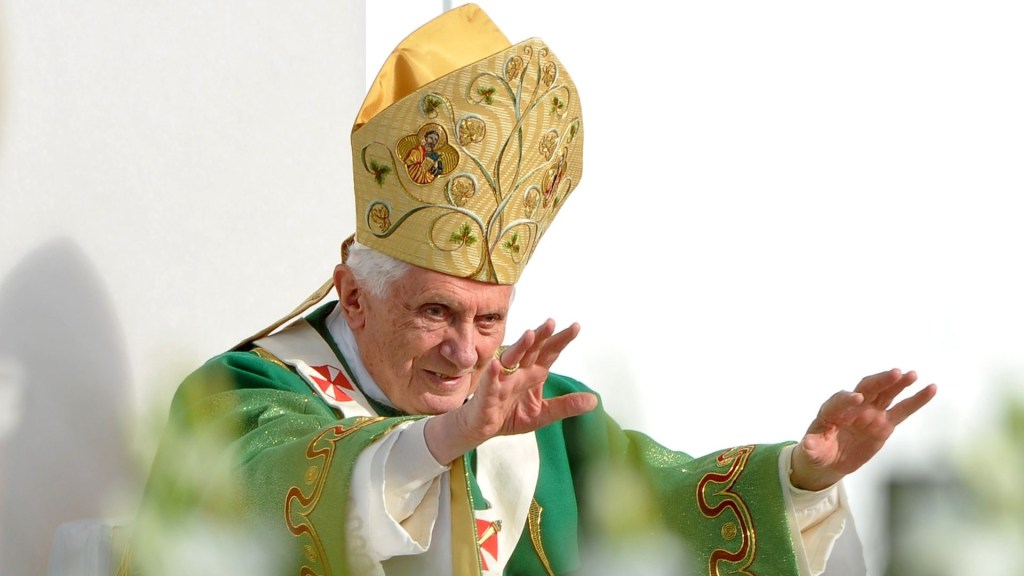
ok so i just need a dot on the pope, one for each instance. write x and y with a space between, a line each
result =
391 431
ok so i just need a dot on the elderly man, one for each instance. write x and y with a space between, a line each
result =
390 432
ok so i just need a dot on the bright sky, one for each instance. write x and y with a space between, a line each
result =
780 198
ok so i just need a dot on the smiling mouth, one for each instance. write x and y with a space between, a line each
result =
445 378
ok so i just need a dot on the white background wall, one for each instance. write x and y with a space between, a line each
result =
778 199
173 176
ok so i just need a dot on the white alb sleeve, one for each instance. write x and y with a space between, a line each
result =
822 522
394 493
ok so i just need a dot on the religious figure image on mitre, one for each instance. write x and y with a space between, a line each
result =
427 154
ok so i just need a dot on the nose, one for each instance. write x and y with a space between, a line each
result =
459 346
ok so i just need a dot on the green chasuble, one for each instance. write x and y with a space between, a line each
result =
254 470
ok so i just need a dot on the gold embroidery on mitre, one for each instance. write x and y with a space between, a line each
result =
480 162
471 130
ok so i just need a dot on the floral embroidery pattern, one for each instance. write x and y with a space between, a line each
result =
548 144
549 74
380 171
514 67
464 236
487 94
496 153
430 105
512 244
381 217
471 131
557 106
463 188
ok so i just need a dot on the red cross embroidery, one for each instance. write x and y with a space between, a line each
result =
487 539
331 382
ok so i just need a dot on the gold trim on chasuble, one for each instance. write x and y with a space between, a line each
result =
298 506
487 157
465 551
742 526
533 524
269 357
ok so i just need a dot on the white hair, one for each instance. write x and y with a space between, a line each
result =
375 270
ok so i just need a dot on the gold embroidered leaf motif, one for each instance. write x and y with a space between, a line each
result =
530 202
464 236
549 73
514 67
462 190
548 143
381 217
471 131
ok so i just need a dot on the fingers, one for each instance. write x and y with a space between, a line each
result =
547 355
559 408
492 388
569 405
543 333
838 409
869 404
880 389
905 408
513 355
540 346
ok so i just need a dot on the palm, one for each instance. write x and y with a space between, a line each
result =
851 427
531 411
513 403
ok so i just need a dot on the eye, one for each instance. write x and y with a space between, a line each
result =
489 320
435 311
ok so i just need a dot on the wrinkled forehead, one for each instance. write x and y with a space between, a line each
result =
418 286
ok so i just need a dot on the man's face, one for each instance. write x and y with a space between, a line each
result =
427 341
430 140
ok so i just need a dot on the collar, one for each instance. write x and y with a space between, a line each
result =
341 332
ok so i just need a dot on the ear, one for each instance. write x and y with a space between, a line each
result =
350 296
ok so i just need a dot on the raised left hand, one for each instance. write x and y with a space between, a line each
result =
851 427
509 400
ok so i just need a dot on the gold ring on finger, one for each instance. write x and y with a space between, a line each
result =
508 371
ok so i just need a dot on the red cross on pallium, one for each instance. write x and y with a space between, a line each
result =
487 538
331 382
